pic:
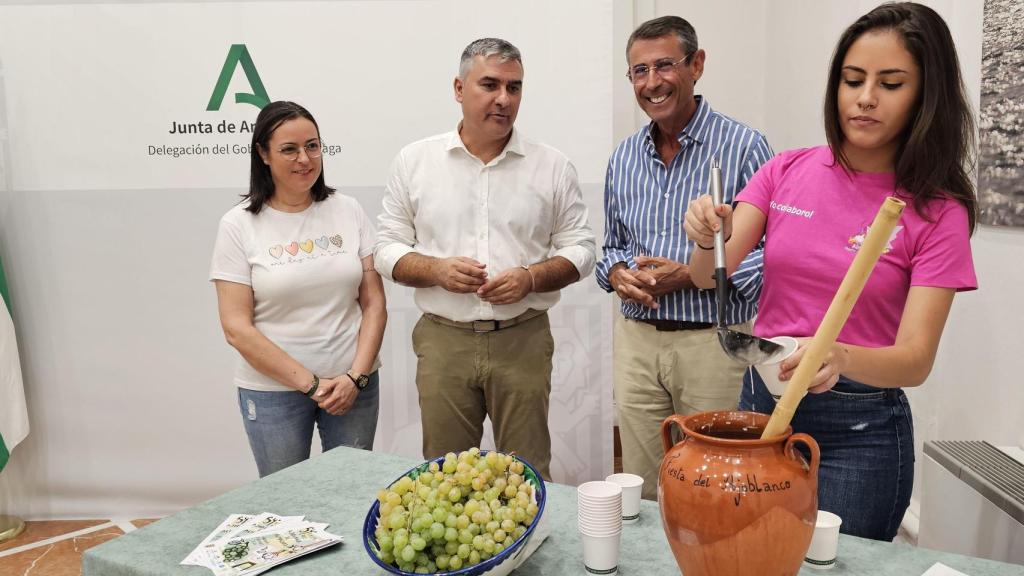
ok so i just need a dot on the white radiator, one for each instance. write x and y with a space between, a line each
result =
973 500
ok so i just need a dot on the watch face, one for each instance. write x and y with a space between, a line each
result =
363 381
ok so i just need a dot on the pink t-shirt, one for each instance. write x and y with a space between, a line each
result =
818 216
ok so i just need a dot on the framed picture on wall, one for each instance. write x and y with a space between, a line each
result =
1001 119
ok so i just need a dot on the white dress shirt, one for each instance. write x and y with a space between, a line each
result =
520 208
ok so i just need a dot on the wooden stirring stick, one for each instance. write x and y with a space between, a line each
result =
856 276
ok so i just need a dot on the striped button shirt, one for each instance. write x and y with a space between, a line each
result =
645 201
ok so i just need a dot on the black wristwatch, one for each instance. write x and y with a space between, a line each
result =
360 380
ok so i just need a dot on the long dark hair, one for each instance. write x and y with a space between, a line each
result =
937 145
261 183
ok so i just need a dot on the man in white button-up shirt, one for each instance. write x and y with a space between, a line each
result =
488 226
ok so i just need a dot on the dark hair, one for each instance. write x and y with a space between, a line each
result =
261 183
665 26
937 144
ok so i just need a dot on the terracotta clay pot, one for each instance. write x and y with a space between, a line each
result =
733 504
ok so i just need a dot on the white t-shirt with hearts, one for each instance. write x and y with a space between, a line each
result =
304 269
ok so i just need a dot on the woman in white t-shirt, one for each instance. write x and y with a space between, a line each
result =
299 299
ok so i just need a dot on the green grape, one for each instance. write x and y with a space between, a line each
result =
474 558
462 521
439 514
396 520
474 529
451 534
464 550
465 536
498 548
385 542
451 520
455 563
422 570
451 547
500 535
449 466
442 561
478 542
492 527
508 525
437 531
489 546
421 559
433 467
417 543
399 541
408 553
387 558
500 483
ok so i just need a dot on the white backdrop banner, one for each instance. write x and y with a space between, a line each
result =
127 133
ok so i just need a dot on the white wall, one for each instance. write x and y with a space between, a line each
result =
772 75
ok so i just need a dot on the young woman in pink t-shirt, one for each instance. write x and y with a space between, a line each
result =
897 123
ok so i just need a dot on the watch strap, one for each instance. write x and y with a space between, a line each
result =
316 384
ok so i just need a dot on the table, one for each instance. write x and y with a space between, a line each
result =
339 486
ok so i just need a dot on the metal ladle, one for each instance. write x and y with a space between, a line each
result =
742 347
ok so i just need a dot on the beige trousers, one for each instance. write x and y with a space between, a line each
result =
463 376
657 374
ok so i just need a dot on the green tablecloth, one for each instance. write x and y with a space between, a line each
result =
338 488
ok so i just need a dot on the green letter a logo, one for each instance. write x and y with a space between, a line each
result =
239 54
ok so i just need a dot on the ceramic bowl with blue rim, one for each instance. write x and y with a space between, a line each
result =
500 564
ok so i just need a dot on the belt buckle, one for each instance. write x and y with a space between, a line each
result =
482 326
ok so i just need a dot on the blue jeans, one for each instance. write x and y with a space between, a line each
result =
866 436
280 425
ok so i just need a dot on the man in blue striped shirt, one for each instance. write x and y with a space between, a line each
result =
667 357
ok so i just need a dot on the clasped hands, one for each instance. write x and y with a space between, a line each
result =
336 395
653 277
464 275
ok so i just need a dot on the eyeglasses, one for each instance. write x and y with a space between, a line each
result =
291 151
638 74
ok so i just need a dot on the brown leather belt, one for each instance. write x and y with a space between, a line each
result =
487 325
675 325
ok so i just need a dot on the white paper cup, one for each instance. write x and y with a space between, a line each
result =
599 490
822 552
631 488
769 371
601 554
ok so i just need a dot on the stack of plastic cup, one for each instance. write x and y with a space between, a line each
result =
600 521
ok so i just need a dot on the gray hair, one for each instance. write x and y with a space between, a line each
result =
488 47
664 26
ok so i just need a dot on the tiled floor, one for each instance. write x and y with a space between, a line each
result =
54 547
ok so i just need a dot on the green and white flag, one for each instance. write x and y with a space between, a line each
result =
13 412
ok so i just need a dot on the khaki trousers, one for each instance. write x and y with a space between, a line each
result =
463 376
657 374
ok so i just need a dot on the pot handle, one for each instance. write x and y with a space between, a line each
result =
666 430
810 443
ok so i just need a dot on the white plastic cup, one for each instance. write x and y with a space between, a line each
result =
631 488
769 370
822 552
601 554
